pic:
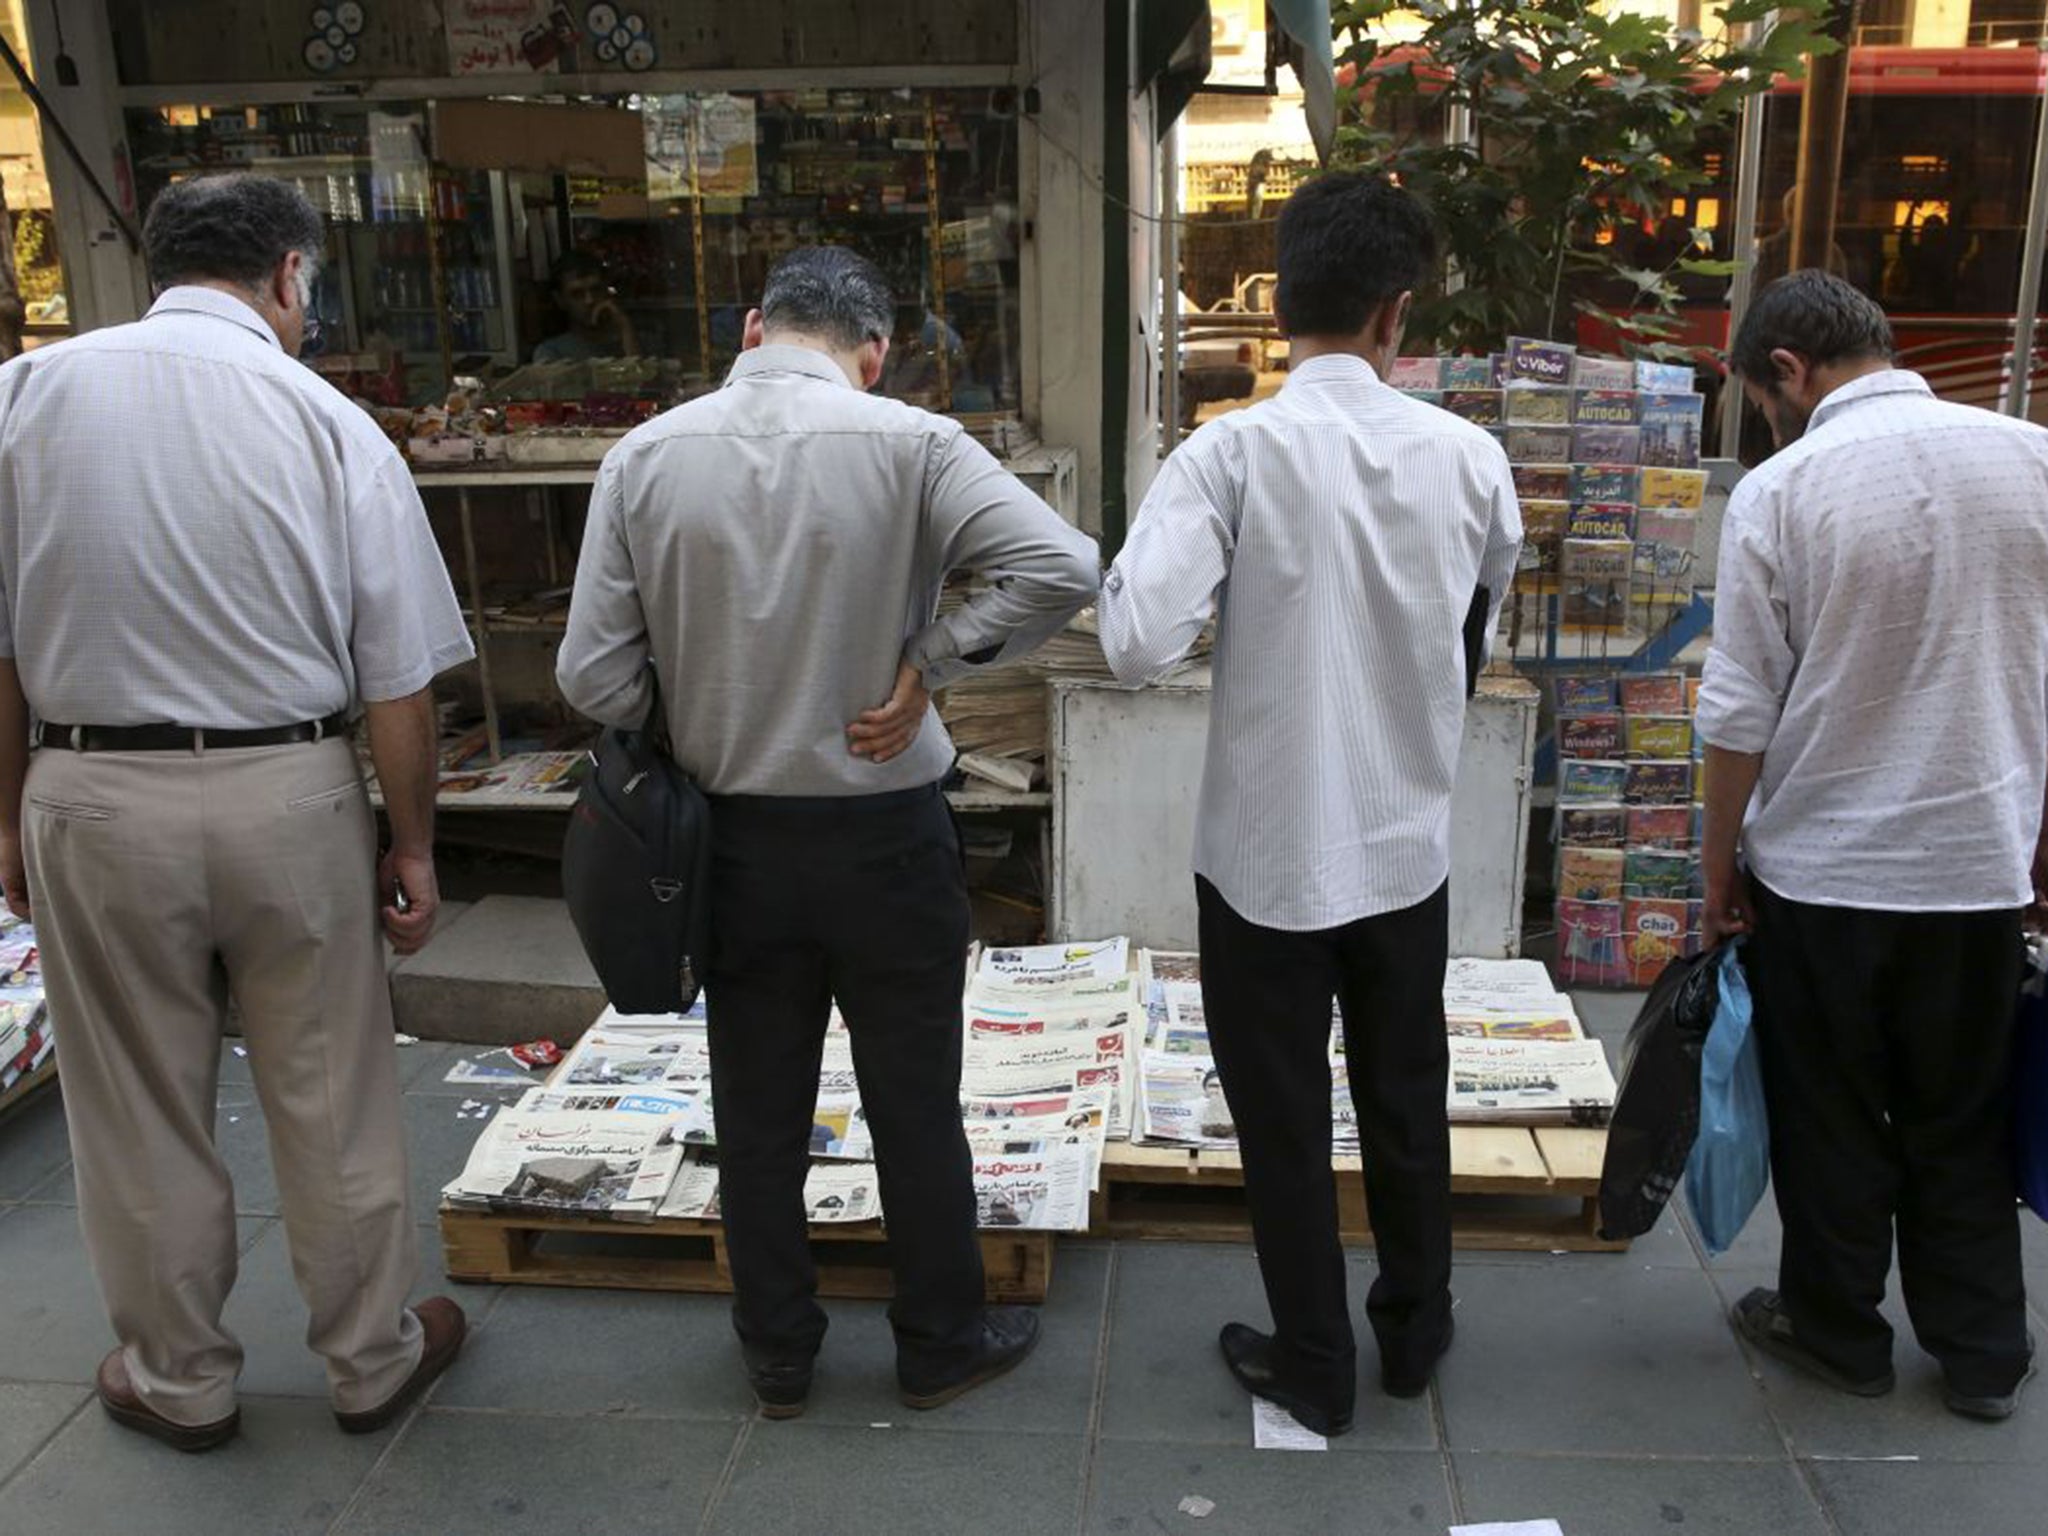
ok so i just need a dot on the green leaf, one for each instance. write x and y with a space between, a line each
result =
1699 266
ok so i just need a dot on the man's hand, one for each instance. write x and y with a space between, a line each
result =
1729 908
412 874
880 734
14 877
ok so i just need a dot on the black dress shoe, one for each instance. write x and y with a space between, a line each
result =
781 1388
1407 1381
1249 1354
1008 1334
1761 1318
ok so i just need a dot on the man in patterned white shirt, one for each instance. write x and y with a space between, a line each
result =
1354 545
1876 713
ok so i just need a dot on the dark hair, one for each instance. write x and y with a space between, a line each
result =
1349 242
1814 314
575 264
232 228
829 292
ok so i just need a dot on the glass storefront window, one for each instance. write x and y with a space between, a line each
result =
45 311
457 249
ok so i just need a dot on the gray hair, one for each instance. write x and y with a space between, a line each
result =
829 292
232 228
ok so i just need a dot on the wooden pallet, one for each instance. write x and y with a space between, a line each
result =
1511 1188
853 1258
26 1088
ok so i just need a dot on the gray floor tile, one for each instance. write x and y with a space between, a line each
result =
34 1145
1668 1245
290 1470
56 1329
29 1415
610 1352
1052 1392
1755 1248
1607 1016
1911 1421
234 1060
1137 1487
1167 1380
437 1145
1590 1497
455 1473
1907 1499
1566 1357
800 1477
267 1314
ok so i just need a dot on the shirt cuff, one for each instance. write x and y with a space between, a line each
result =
930 649
1736 712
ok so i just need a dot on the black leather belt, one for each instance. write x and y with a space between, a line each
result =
181 738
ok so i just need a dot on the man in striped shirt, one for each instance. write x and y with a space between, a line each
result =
1339 533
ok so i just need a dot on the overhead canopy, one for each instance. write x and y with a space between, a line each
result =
1307 24
1173 53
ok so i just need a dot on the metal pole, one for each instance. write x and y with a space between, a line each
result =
492 737
1457 131
1749 170
1169 288
2019 384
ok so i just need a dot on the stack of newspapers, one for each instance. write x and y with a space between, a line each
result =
1518 1056
26 1041
623 1129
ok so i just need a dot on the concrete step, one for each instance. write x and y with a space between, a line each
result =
510 970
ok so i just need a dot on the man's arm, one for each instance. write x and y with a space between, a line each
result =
13 775
1502 557
1040 571
404 744
1742 694
1162 588
602 666
1731 780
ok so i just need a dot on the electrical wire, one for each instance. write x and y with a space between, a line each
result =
1095 184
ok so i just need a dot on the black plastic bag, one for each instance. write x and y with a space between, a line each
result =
1657 1110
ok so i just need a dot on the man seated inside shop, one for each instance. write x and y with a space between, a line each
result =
598 326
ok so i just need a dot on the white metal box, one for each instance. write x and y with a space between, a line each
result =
1126 769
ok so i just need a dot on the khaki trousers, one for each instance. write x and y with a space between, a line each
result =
164 883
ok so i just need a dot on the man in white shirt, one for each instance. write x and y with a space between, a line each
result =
1354 545
210 563
1876 713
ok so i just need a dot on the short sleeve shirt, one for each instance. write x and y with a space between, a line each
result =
195 529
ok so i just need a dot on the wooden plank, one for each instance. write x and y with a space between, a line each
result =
1574 1156
691 1256
1497 1159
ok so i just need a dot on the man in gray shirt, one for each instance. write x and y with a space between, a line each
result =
210 562
776 550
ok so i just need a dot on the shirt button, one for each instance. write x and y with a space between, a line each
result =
1115 583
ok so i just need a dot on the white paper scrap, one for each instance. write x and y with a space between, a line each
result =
467 1071
1194 1504
1510 1528
1275 1429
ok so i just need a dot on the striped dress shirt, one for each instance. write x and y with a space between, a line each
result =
1881 637
1337 533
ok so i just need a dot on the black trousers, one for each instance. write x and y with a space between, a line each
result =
1267 994
1886 1040
863 900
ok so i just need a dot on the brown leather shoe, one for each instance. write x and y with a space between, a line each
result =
445 1327
125 1407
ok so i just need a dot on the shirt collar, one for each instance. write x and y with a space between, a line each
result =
1332 368
779 357
1890 381
196 299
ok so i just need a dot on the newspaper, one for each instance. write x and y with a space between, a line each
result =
694 1194
1530 1082
616 1163
616 1056
833 1192
1046 1191
1054 965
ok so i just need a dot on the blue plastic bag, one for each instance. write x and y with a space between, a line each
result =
1730 1164
2030 1083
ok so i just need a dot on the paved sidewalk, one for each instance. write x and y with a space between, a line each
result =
1603 1390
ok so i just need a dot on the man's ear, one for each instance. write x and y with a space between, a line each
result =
284 282
1394 321
1788 368
753 332
873 353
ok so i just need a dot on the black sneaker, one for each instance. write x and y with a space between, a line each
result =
1996 1409
1396 1382
781 1389
1008 1334
1249 1354
1760 1318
